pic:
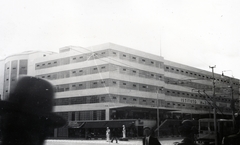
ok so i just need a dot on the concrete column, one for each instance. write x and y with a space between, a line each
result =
55 133
107 113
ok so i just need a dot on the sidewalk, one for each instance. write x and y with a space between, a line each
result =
104 142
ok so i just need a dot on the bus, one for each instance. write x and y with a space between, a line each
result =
207 132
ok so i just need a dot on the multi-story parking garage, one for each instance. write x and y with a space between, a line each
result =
110 85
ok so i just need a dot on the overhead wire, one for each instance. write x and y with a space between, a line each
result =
128 66
109 95
115 61
102 80
178 80
215 105
132 67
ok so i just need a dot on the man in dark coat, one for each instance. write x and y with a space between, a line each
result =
27 114
114 135
149 139
187 130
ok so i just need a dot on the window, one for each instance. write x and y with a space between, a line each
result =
124 55
102 98
73 116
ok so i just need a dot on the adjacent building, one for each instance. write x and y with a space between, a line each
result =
110 85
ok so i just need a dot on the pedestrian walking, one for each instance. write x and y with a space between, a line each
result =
124 132
108 134
27 115
114 135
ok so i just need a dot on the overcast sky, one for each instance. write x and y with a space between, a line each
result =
199 33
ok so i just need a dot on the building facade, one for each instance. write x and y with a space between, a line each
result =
110 85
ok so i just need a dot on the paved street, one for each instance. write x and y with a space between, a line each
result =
103 142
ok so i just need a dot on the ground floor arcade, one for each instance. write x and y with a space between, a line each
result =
134 119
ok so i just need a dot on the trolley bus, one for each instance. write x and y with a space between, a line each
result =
207 132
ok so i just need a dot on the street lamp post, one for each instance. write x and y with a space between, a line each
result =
214 108
158 119
157 114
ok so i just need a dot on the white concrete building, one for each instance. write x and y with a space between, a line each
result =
112 85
